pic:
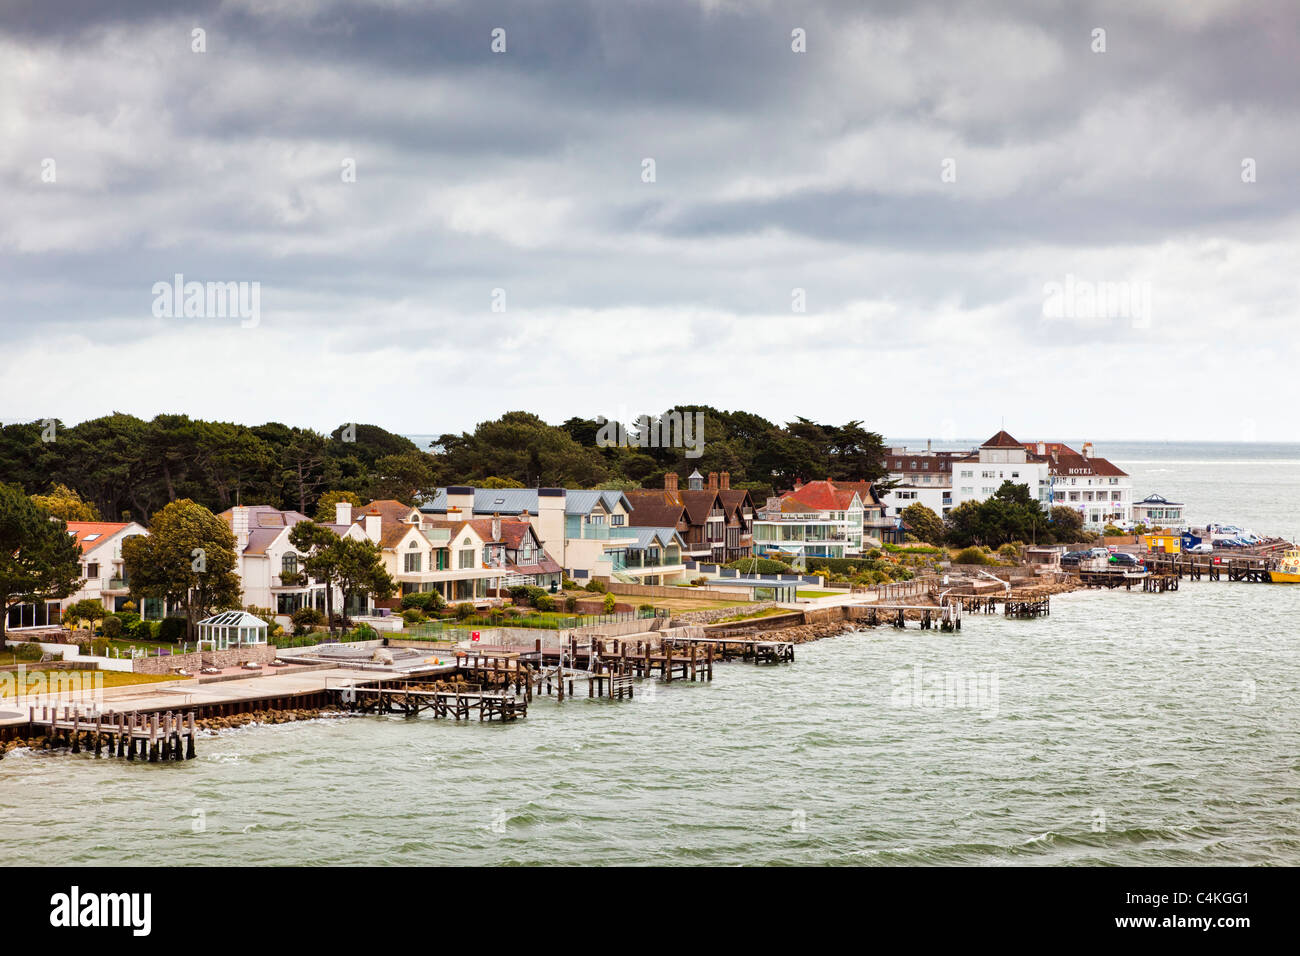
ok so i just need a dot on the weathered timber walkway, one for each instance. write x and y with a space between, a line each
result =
152 737
733 648
1213 567
946 617
412 697
1111 578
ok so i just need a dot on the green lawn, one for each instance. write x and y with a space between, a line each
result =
109 679
819 594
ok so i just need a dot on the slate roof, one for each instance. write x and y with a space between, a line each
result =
514 501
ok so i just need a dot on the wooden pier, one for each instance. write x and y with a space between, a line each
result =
1213 567
946 617
413 697
737 648
1160 583
152 737
1111 578
1027 609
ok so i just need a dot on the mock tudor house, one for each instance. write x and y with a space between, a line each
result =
714 521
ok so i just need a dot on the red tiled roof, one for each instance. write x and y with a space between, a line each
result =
104 529
1001 440
821 496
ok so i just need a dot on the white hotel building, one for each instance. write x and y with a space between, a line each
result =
1054 473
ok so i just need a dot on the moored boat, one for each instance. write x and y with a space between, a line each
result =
1288 569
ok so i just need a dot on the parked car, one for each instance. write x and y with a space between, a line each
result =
1125 560
1071 559
1096 553
1202 548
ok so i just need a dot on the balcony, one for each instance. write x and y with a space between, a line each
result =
637 560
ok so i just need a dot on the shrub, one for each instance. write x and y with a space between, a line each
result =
971 556
701 580
413 615
570 603
130 607
464 610
645 607
569 584
172 630
596 586
610 601
760 566
112 626
364 632
307 616
144 631
422 600
544 602
1010 551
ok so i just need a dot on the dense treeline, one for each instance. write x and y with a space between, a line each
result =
124 466
759 454
127 467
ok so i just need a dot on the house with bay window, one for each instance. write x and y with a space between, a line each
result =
714 522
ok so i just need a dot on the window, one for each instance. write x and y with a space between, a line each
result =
92 570
92 537
617 520
289 565
467 558
413 562
968 474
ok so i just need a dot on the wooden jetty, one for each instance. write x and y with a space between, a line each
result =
947 616
1160 583
603 659
152 736
737 648
414 696
1041 607
1111 578
1213 567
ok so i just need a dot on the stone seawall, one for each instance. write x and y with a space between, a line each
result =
714 614
192 662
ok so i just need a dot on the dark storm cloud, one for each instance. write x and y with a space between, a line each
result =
775 171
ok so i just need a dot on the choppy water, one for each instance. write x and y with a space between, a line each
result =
1128 728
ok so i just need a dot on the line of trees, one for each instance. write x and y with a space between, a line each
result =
119 466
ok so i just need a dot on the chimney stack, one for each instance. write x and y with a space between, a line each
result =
670 481
713 481
239 524
1087 449
343 513
725 479
1042 448
496 526
373 522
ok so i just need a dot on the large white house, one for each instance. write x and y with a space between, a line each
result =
104 579
268 565
1053 473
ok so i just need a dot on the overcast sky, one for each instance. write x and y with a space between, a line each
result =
924 172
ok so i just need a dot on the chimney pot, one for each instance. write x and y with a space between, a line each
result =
713 481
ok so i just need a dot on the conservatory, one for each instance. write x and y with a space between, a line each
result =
231 629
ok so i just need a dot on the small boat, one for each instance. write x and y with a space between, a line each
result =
1288 569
